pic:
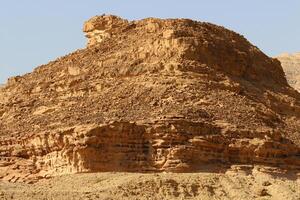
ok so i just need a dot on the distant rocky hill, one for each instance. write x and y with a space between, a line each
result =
150 95
291 67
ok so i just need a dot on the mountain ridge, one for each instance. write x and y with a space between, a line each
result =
149 95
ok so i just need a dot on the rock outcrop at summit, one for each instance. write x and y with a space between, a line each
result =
99 28
291 67
149 95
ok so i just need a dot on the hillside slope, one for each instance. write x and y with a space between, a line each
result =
150 95
291 67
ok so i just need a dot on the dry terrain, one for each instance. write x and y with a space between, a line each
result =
173 101
238 182
291 67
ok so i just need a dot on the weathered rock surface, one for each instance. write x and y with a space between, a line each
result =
149 95
99 28
237 182
291 67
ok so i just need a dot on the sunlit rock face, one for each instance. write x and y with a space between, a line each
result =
149 95
291 67
101 27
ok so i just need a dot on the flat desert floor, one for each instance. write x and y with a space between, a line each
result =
237 182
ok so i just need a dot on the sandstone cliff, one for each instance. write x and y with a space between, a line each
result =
291 67
149 95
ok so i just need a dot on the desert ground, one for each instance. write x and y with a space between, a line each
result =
237 182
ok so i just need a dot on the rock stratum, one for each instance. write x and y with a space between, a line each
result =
291 67
149 96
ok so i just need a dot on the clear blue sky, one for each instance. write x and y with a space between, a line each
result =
33 32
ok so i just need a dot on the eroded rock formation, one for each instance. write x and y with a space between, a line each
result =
291 67
99 28
149 95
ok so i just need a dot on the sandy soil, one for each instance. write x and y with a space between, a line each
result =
238 182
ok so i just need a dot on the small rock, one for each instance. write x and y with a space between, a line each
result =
266 183
263 192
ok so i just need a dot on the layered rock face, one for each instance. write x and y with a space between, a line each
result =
99 28
291 67
149 95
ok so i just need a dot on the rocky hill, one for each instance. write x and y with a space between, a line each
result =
291 67
150 95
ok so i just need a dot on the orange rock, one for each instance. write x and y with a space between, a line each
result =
149 95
